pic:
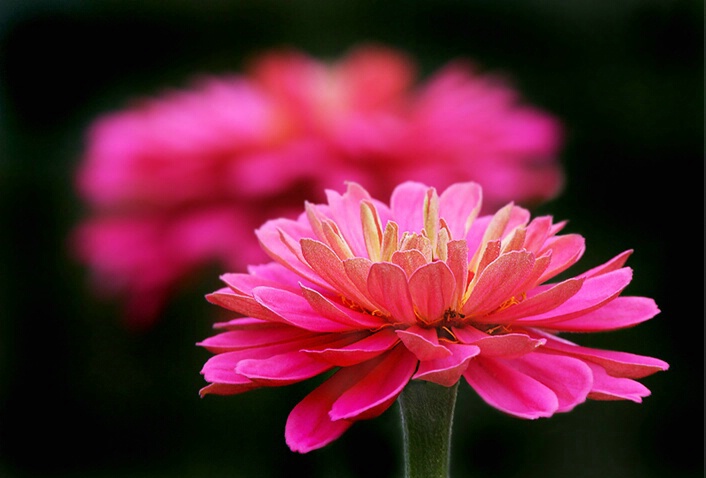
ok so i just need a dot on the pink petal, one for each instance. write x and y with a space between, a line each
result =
358 352
509 390
407 205
309 426
246 323
242 304
457 260
617 364
619 313
245 283
330 268
409 260
387 284
537 232
358 269
614 264
459 205
595 292
447 370
498 282
566 250
240 339
345 210
378 384
227 388
221 368
540 303
341 314
432 287
281 370
505 345
294 309
570 379
423 343
606 387
280 239
277 274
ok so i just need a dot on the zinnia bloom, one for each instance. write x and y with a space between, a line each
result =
178 181
368 297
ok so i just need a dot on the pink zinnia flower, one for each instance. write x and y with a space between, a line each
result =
179 181
369 296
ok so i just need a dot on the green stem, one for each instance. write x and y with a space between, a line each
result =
427 418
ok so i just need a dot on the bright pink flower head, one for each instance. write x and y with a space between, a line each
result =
180 180
372 296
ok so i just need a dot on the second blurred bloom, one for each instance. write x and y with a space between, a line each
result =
179 181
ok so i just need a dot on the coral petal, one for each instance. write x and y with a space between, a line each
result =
387 284
433 287
498 282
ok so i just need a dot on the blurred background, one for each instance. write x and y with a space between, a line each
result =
80 395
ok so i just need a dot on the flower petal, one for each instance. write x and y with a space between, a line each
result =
616 364
620 313
345 211
280 239
566 250
498 282
459 205
379 383
283 369
541 303
249 338
407 205
341 314
294 309
330 268
243 304
615 263
309 426
606 387
505 345
432 287
409 260
423 342
357 352
569 378
457 260
387 284
510 390
221 369
594 293
447 370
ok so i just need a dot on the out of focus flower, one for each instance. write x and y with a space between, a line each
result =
180 180
369 297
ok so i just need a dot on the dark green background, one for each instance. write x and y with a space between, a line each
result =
80 396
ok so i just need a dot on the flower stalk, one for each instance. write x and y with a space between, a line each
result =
427 411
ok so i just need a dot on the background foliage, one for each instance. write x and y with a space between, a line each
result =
82 396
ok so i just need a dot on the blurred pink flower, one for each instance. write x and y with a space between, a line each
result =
371 296
177 181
